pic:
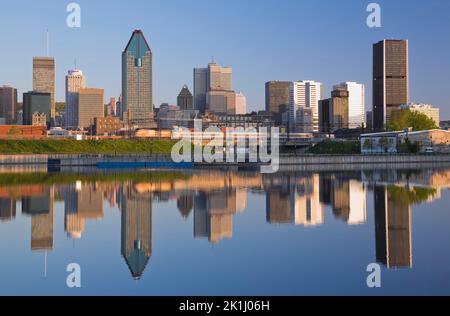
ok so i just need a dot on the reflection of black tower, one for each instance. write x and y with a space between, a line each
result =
392 228
136 245
7 209
185 204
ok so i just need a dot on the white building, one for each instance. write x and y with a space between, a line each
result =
427 109
75 81
356 103
304 95
241 104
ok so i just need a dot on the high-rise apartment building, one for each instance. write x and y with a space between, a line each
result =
304 99
8 104
91 104
185 100
137 81
75 81
356 103
390 79
44 79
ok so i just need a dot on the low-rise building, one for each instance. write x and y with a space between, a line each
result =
39 119
106 125
22 132
436 140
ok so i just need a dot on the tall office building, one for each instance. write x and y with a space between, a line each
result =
277 97
137 81
390 79
356 103
44 79
75 81
213 89
36 102
334 112
112 107
185 100
200 88
91 104
241 104
304 99
8 104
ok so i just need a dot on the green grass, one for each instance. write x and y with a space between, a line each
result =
330 147
14 179
15 147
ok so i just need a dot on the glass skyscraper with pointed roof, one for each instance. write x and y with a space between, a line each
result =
137 81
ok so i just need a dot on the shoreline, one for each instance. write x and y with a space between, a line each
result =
155 161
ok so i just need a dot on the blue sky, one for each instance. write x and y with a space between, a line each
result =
323 40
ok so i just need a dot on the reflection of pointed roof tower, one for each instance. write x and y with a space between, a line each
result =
137 81
136 231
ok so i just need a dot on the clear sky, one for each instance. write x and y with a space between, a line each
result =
323 40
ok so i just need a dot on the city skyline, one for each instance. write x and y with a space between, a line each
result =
353 62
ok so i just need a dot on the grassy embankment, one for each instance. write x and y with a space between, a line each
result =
108 147
330 147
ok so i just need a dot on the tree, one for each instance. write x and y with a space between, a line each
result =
403 119
368 144
384 142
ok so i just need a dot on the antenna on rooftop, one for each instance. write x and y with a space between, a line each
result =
48 43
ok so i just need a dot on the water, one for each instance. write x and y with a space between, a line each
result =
225 233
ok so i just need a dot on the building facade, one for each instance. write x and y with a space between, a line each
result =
75 81
36 102
427 109
356 103
241 104
91 104
8 104
185 99
334 112
390 79
213 89
304 99
44 79
137 81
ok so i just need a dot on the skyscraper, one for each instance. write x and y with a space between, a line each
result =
241 104
334 112
213 89
75 81
277 96
304 99
44 79
36 102
8 104
356 103
137 81
91 104
185 100
390 79
200 88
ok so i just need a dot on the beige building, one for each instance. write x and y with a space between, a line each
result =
75 81
221 102
437 139
241 104
44 79
427 109
39 119
91 104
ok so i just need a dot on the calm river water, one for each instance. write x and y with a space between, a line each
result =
225 232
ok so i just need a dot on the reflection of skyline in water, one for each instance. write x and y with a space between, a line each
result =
215 198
